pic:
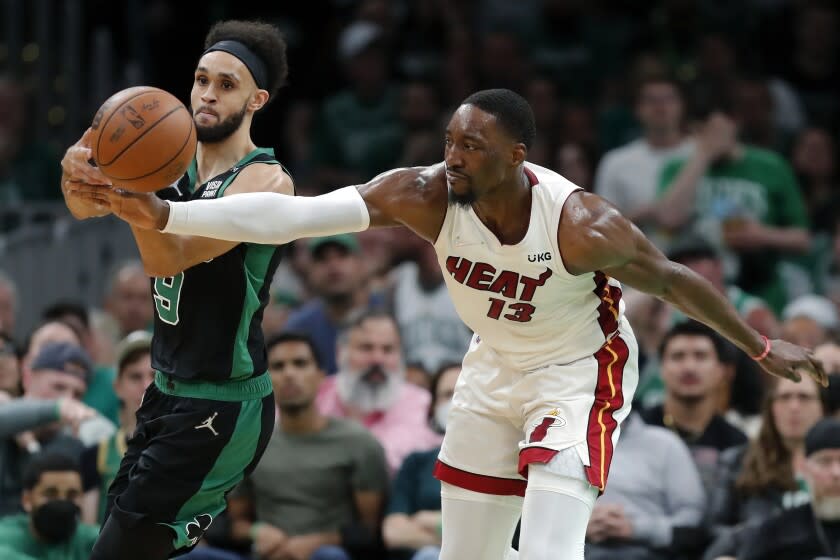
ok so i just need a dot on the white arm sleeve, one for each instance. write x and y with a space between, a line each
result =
270 218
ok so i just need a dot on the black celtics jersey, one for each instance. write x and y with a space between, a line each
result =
208 318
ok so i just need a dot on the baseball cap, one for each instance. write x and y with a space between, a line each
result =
817 308
137 340
346 240
357 37
64 357
825 434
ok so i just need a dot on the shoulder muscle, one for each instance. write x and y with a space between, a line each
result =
593 235
261 177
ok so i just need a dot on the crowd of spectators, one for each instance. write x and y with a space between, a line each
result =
713 127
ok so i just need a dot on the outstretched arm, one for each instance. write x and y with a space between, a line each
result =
593 235
267 217
398 197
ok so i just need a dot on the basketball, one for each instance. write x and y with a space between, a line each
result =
143 139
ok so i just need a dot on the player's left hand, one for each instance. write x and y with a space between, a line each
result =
791 361
143 210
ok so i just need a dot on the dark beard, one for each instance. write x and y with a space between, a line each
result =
223 130
462 200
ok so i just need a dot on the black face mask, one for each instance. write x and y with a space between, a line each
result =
56 520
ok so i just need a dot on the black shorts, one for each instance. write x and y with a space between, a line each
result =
187 453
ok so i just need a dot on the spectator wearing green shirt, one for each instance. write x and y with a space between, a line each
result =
744 200
359 133
101 462
50 528
28 169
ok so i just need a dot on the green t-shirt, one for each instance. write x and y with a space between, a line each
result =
100 394
34 175
19 543
305 483
758 186
364 137
415 487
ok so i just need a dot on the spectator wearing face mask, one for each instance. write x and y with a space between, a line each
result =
50 528
413 521
371 388
45 419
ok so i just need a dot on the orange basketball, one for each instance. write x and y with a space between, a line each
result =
143 139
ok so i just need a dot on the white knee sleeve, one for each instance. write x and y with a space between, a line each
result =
555 515
477 526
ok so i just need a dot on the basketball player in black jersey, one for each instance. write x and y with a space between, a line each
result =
207 418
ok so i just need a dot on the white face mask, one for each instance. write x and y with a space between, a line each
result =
442 414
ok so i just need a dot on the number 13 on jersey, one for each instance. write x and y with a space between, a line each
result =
167 293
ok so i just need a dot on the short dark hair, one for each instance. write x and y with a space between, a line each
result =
295 336
47 462
511 110
694 328
264 39
61 309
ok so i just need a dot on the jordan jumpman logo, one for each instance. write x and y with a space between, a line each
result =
209 424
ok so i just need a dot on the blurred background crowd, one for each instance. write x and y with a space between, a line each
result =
713 125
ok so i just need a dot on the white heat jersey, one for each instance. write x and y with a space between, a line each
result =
519 299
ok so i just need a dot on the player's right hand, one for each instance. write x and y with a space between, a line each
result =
76 168
71 412
143 210
76 163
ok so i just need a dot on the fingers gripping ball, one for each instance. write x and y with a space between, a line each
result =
143 138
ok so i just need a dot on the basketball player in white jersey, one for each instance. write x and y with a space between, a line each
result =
533 264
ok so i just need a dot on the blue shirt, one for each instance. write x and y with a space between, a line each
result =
312 319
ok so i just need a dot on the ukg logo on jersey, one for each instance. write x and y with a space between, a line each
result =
539 257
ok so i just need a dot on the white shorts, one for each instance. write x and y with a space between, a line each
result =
503 419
